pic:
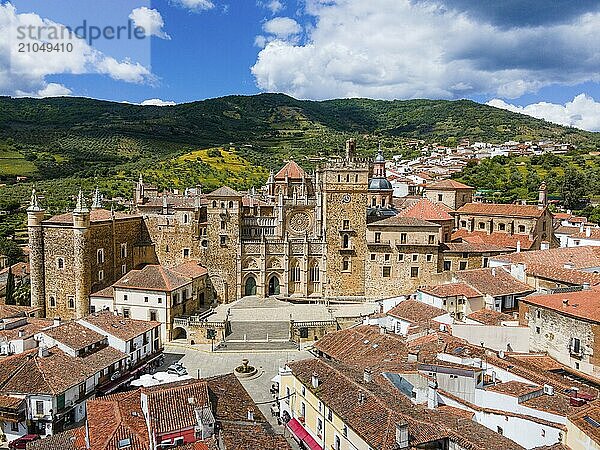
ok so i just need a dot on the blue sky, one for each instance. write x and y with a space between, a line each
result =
533 56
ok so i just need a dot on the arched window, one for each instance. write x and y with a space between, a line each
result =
214 203
346 241
186 218
295 271
374 202
383 201
315 274
60 263
100 256
231 204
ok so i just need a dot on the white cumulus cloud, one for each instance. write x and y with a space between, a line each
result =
412 49
582 112
195 5
274 6
150 20
24 73
279 28
157 102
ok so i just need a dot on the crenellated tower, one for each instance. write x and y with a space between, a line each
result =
81 256
35 215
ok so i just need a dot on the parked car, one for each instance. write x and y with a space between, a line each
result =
177 369
21 442
115 376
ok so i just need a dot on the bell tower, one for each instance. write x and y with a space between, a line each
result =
344 196
81 257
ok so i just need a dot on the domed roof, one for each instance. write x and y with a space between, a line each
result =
379 184
379 158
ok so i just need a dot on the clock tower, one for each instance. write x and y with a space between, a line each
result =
344 195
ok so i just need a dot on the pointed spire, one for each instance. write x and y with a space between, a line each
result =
141 179
81 206
34 204
97 200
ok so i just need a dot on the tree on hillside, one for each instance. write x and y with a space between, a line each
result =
10 288
574 190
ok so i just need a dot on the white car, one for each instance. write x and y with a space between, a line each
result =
177 369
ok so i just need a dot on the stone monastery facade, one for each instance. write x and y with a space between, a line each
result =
333 234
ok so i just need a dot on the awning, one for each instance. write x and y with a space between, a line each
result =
297 428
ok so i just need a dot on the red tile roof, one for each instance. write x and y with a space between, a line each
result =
451 290
73 439
493 281
292 170
494 240
32 326
514 388
473 247
119 326
583 304
448 185
499 209
581 257
425 209
416 312
594 234
152 277
490 317
190 269
117 417
96 215
9 311
74 335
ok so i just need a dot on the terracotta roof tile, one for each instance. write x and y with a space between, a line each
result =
73 439
9 311
580 257
514 388
583 304
448 184
474 247
493 240
416 312
117 417
451 290
500 209
119 326
29 329
190 269
152 277
493 281
594 234
224 191
74 335
292 170
490 317
96 215
426 210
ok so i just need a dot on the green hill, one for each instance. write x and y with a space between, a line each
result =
62 143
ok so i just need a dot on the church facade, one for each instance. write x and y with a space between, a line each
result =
332 234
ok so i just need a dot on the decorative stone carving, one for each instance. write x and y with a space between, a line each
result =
299 222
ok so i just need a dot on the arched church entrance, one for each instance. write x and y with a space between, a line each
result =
274 288
250 286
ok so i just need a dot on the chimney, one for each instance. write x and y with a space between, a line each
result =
42 351
493 271
588 231
519 246
586 286
401 436
315 380
565 302
361 397
56 321
367 375
250 414
21 333
412 357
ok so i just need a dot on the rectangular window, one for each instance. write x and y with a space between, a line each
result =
39 408
447 265
462 265
346 225
576 345
481 225
125 297
186 252
223 225
126 313
145 299
345 265
223 240
373 256
100 256
14 426
153 316
377 237
463 224
403 238
400 256
429 257
432 238
415 257
537 330
521 228
414 272
386 257
124 250
123 269
101 275
501 226
387 271
440 197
